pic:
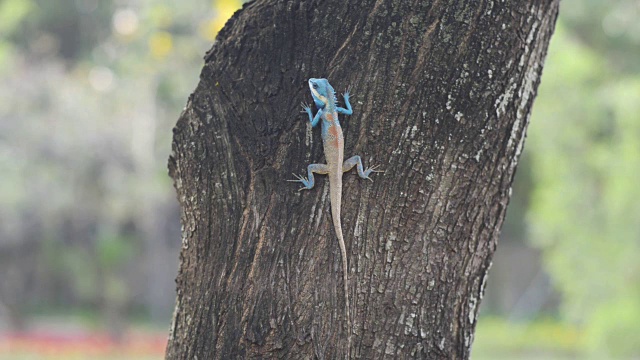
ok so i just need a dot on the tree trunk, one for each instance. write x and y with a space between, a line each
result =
443 94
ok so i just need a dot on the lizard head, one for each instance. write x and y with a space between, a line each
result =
322 92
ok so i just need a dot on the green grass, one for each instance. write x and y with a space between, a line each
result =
541 339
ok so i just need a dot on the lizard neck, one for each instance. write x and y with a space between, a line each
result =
329 101
329 117
330 107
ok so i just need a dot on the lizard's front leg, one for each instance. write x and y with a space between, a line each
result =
355 160
313 119
309 182
348 110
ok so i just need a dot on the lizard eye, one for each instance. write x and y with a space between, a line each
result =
315 86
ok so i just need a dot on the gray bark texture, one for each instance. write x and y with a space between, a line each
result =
443 91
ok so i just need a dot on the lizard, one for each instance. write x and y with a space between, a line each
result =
325 100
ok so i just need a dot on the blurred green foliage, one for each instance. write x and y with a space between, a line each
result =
12 12
90 91
584 146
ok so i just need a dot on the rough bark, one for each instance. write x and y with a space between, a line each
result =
444 89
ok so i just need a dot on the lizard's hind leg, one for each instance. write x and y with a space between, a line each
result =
355 160
309 182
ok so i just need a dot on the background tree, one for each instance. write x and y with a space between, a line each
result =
445 90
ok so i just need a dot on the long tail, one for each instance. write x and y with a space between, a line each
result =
335 192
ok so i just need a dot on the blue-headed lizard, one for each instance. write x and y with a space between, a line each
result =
324 97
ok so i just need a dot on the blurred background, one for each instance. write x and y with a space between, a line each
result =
89 224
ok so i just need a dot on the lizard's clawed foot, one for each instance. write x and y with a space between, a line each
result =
303 180
372 169
305 108
347 94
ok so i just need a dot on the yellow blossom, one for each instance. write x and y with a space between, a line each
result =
160 44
